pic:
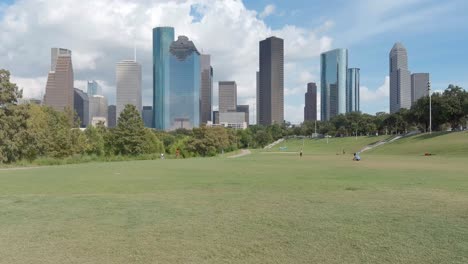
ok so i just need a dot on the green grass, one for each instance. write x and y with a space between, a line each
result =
261 208
446 144
334 145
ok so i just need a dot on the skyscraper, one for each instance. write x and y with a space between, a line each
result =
147 116
206 89
162 40
81 106
334 65
227 96
270 90
94 88
98 109
400 80
419 86
128 73
59 93
310 108
352 90
111 116
244 109
182 109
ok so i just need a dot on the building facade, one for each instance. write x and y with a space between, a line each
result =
94 88
206 88
59 92
227 96
270 90
162 40
310 108
244 109
128 73
147 115
98 109
333 71
353 90
216 117
400 79
81 107
111 116
419 82
182 109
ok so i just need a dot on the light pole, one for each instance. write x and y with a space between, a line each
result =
430 106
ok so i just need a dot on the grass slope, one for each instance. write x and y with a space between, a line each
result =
334 145
445 144
261 208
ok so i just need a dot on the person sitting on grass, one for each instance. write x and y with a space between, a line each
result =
356 157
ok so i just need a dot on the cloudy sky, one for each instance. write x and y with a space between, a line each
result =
103 32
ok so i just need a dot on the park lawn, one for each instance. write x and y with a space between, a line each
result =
323 146
261 208
445 144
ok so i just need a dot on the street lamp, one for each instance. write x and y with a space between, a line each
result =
430 107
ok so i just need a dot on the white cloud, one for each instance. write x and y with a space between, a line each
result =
32 87
267 11
225 29
294 113
381 93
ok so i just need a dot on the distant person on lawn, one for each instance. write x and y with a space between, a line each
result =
357 157
300 154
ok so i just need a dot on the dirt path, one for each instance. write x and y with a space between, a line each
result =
244 152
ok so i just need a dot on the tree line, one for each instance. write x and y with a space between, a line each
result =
449 111
29 131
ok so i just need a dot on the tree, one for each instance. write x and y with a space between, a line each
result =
95 143
454 97
129 135
9 92
262 138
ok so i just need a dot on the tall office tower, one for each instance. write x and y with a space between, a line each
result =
352 90
227 96
111 116
98 109
257 105
162 40
206 88
419 86
310 108
81 106
59 88
147 116
184 92
400 80
94 88
128 73
244 109
271 82
333 67
215 117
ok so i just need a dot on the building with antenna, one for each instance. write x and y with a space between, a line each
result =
128 80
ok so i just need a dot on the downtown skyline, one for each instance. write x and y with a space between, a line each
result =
91 56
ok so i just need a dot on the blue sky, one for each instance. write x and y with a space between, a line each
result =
434 32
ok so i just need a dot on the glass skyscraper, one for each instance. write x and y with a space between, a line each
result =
162 40
400 79
352 90
334 65
182 107
94 88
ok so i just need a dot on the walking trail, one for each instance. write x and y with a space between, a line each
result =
244 152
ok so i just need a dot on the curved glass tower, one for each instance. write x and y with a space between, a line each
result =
162 40
334 66
183 102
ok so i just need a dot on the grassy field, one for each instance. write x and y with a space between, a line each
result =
267 207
